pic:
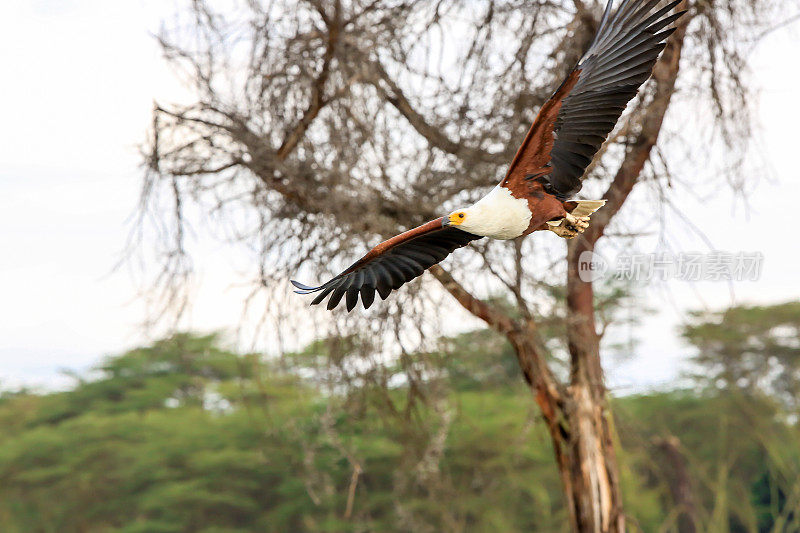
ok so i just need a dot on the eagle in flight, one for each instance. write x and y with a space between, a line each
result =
546 171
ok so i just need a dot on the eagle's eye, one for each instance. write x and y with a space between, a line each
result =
461 215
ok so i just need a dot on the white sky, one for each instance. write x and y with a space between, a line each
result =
80 77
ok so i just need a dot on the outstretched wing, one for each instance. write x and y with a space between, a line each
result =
573 124
390 265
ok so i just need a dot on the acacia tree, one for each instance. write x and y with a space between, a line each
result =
753 350
319 126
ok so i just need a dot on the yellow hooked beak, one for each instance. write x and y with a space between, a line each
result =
454 219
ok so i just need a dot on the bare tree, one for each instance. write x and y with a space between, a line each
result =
320 126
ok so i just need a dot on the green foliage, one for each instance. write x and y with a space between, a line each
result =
479 360
150 444
186 436
741 456
178 371
753 349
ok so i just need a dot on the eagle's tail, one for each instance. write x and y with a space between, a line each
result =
584 208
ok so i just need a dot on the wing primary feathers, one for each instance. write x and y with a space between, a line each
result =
352 298
413 269
304 289
370 278
336 297
619 61
389 266
367 296
384 285
603 23
397 276
353 289
321 296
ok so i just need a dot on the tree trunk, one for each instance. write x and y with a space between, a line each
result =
676 471
582 440
576 416
577 413
590 474
586 461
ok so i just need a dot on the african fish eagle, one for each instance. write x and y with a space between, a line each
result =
547 169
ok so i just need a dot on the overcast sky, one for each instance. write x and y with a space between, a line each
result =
80 77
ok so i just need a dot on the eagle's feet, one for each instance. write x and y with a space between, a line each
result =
569 227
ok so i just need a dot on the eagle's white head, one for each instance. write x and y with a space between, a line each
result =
497 215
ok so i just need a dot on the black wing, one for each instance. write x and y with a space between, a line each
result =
390 265
618 62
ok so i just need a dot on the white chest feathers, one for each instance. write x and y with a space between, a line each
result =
497 215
